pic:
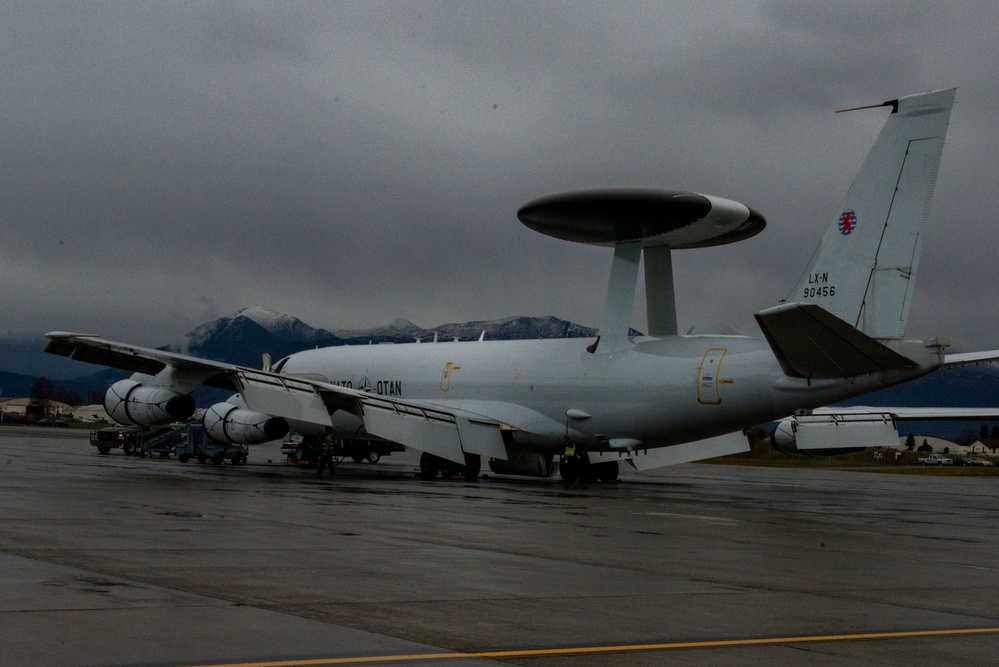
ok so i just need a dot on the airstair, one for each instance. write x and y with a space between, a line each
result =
162 440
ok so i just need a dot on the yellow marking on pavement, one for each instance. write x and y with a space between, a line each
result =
622 648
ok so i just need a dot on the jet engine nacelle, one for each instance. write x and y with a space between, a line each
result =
128 402
782 436
225 422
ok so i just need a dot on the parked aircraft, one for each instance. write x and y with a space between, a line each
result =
649 400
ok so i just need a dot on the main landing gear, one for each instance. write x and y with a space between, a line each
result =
579 469
431 466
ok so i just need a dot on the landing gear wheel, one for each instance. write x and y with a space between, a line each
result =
588 472
451 469
608 472
202 458
373 456
218 459
569 468
473 464
430 466
184 458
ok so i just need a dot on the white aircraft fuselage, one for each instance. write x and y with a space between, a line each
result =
656 392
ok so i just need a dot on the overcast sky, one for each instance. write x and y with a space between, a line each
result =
350 163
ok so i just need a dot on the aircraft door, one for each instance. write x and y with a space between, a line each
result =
708 376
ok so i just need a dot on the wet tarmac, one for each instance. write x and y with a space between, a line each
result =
115 560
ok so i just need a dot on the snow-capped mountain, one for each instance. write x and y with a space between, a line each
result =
507 328
241 338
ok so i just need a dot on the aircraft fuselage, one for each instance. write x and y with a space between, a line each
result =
656 391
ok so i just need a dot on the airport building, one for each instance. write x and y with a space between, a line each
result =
20 407
26 406
943 446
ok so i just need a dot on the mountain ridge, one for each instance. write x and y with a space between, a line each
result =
242 337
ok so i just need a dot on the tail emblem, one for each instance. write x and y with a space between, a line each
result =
847 222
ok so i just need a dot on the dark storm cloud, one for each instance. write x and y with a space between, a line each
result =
351 163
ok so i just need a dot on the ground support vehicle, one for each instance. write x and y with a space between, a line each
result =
139 441
306 451
301 450
367 450
196 444
112 437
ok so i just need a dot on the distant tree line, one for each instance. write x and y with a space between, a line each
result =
43 392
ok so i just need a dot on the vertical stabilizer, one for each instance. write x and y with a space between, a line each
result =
865 268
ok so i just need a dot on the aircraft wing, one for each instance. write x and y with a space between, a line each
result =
96 350
444 431
837 427
912 414
184 373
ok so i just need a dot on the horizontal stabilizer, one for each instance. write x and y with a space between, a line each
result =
810 342
971 358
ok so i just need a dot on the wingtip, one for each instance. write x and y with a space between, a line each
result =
70 334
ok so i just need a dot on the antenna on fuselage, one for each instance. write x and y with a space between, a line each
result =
636 223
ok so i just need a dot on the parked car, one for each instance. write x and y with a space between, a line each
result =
977 462
959 460
936 460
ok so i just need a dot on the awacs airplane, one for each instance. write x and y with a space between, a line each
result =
648 400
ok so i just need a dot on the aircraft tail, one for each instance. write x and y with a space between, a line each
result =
864 270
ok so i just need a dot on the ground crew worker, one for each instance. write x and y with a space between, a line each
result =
326 455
